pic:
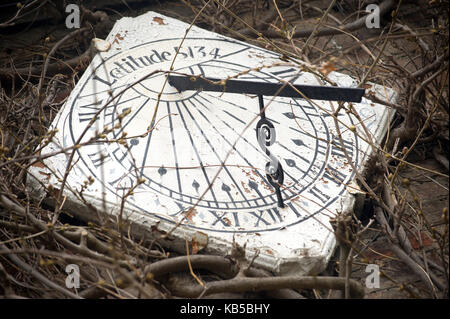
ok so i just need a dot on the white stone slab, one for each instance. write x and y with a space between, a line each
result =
194 132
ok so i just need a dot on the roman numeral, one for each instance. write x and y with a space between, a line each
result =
124 183
233 53
275 215
290 74
260 218
225 220
220 218
334 175
307 108
317 193
297 214
236 219
267 217
322 147
88 111
337 149
99 158
120 157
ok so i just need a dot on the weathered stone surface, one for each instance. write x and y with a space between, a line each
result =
189 163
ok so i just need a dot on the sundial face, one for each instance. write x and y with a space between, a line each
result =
195 131
193 159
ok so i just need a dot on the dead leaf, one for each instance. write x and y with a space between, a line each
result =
327 67
226 220
117 38
159 20
38 164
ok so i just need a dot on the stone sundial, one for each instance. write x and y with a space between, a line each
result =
219 150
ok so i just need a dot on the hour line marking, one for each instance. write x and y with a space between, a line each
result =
212 148
174 148
123 126
229 174
195 148
147 146
109 92
234 117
